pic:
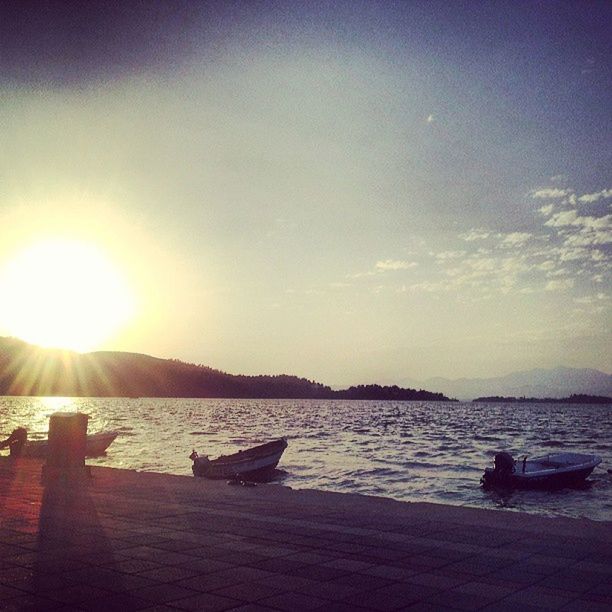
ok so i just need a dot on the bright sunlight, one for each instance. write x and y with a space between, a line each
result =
63 293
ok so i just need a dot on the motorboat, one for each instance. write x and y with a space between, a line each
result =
95 446
257 463
547 471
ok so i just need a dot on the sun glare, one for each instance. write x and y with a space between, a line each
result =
63 293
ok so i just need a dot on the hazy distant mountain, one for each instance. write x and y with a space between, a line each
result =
556 382
26 369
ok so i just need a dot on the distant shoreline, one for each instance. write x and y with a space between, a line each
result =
572 399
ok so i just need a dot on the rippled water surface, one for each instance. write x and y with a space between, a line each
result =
412 451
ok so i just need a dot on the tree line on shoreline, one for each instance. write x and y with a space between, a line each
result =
26 369
576 398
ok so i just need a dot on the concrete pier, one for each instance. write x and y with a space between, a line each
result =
143 541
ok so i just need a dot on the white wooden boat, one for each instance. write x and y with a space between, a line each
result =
257 463
96 445
548 471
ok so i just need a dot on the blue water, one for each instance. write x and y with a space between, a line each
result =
411 451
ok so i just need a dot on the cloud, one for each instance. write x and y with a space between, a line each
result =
546 209
448 255
559 285
485 264
546 266
475 234
591 231
561 219
558 178
550 193
588 198
592 299
395 264
516 238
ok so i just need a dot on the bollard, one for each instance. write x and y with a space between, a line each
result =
66 447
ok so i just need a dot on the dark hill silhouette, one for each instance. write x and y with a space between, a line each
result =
26 369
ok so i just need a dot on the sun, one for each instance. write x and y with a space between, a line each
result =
63 293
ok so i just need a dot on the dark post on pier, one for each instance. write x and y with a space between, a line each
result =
66 450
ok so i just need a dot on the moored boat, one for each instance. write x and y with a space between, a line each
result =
548 471
96 445
257 463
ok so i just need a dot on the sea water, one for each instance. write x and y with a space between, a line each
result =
410 451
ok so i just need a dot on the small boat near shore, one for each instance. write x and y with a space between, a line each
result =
96 445
257 463
554 470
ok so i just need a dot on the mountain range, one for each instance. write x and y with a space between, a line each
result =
26 369
556 382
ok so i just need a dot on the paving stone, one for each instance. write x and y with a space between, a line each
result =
7 592
487 592
327 590
455 600
163 593
539 596
318 572
312 558
252 607
248 591
119 602
207 566
389 572
240 558
281 566
168 573
30 603
288 583
77 593
350 565
377 600
603 588
362 582
132 566
438 581
293 602
408 592
575 584
206 602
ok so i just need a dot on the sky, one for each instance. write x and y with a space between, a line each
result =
352 192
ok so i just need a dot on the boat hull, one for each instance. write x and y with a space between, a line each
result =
257 463
96 445
549 472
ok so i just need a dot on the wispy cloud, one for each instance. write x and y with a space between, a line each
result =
558 178
562 252
588 198
475 234
551 193
447 255
515 238
395 264
559 285
566 217
546 209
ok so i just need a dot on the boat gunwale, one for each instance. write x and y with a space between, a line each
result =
550 469
241 457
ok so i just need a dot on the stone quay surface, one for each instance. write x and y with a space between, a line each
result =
131 540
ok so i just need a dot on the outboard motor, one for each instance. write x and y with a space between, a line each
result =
16 441
504 462
504 466
501 473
